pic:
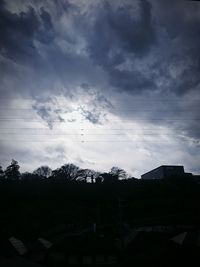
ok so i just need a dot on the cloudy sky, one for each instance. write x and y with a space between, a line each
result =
100 83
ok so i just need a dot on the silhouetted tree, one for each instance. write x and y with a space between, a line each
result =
2 174
109 178
98 179
120 173
66 172
27 176
114 175
12 171
43 172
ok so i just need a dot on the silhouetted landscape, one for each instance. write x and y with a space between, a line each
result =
99 133
62 218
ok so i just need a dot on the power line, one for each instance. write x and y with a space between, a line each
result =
114 108
49 98
50 120
63 130
85 134
90 141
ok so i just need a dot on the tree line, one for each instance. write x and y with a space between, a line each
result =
68 172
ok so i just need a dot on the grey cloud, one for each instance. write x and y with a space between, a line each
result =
58 151
181 21
117 31
135 36
98 97
81 161
117 35
92 116
48 114
131 81
96 109
46 19
18 32
54 47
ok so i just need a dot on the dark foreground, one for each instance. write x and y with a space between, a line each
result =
54 223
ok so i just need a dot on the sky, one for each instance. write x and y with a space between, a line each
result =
100 83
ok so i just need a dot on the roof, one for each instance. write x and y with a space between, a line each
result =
161 166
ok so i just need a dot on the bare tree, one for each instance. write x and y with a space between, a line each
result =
12 171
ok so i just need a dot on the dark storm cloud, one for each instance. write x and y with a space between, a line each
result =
46 19
18 32
114 36
35 57
118 35
119 30
170 32
181 21
21 31
170 63
134 36
133 48
179 18
129 61
131 81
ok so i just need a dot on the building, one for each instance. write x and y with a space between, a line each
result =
196 178
164 171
